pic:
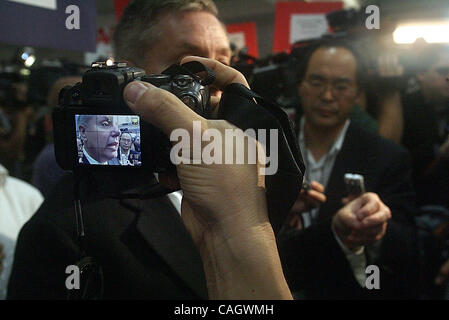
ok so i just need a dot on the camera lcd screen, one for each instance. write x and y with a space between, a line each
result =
108 140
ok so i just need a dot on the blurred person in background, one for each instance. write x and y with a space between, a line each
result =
18 202
426 125
15 116
136 143
329 80
145 240
125 154
426 135
46 172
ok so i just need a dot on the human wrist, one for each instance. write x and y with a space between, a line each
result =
345 247
341 234
243 264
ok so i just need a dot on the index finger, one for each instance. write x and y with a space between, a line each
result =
381 216
225 75
317 186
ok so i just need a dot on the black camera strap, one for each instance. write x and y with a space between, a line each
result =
78 213
91 273
247 110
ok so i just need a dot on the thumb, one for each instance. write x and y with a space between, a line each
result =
160 107
353 205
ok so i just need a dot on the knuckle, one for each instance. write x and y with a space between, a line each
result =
373 196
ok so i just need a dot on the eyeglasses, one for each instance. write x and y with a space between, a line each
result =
338 89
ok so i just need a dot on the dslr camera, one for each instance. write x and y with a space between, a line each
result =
92 116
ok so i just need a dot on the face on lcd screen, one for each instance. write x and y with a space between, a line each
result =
108 140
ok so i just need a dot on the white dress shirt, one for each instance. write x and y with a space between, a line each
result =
320 170
18 202
174 197
124 157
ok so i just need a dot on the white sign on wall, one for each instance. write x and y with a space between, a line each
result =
47 4
307 26
237 38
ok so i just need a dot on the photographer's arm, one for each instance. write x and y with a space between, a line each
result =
390 117
227 219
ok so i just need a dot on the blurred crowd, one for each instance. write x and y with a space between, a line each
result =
387 120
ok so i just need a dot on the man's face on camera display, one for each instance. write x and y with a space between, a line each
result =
100 137
329 88
125 141
187 33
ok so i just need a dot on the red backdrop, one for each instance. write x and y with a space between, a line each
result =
249 31
119 6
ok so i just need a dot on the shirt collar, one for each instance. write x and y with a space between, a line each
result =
125 154
3 175
338 143
90 159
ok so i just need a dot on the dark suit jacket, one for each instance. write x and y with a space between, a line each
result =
113 161
142 246
313 261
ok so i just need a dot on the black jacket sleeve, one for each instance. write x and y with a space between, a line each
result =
314 265
43 252
397 254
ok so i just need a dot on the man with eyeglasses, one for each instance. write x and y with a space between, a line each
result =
142 246
328 257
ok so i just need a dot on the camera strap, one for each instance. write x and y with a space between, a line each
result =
90 271
247 110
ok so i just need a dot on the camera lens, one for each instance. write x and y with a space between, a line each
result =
183 80
190 102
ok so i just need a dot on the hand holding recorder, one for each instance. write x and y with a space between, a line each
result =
363 220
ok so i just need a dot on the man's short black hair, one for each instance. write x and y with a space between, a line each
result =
331 43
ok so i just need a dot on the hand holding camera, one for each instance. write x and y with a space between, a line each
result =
203 184
222 216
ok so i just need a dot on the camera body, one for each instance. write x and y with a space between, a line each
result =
92 115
